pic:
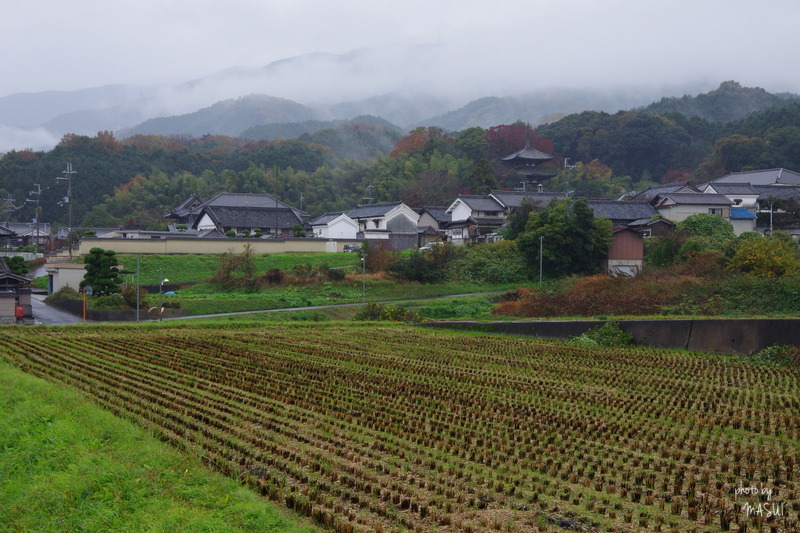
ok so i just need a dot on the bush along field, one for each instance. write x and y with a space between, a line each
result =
366 427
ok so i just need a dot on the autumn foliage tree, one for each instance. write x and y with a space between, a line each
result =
421 139
507 139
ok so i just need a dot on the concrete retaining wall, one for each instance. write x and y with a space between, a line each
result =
729 336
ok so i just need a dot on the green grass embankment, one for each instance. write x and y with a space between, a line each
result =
67 465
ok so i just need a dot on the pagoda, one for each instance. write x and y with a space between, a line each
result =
524 162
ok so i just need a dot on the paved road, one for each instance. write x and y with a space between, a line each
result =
45 314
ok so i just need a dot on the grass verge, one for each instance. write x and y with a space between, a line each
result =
67 465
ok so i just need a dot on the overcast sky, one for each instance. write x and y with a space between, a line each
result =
55 45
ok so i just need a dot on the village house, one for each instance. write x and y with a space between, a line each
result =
474 218
334 226
393 223
433 221
248 214
15 296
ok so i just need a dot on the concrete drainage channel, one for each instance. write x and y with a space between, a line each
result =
728 336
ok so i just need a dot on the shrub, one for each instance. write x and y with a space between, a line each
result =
273 276
418 267
777 355
128 293
766 257
609 334
336 274
64 293
113 301
373 311
498 262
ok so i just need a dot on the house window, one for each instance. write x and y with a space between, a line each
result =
377 222
737 201
490 213
715 211
646 233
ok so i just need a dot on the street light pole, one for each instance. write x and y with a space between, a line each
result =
363 277
161 282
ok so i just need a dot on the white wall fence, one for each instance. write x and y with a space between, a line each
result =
184 245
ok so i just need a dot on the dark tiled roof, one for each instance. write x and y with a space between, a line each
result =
514 199
776 192
185 207
489 222
528 154
252 217
733 188
650 222
481 202
622 211
648 195
762 177
230 199
438 213
372 210
324 219
697 198
25 228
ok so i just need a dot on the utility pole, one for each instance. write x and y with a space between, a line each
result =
541 249
8 208
37 193
138 266
68 198
567 168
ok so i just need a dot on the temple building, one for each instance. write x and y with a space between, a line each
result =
525 161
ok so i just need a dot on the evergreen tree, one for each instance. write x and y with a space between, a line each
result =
101 274
573 239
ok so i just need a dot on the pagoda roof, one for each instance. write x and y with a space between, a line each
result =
528 154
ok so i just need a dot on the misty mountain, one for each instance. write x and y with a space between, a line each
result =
26 110
727 103
228 117
537 107
404 109
333 87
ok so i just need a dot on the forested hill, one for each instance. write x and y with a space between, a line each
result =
228 117
644 147
133 181
728 103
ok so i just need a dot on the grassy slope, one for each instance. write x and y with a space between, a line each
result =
67 465
195 267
